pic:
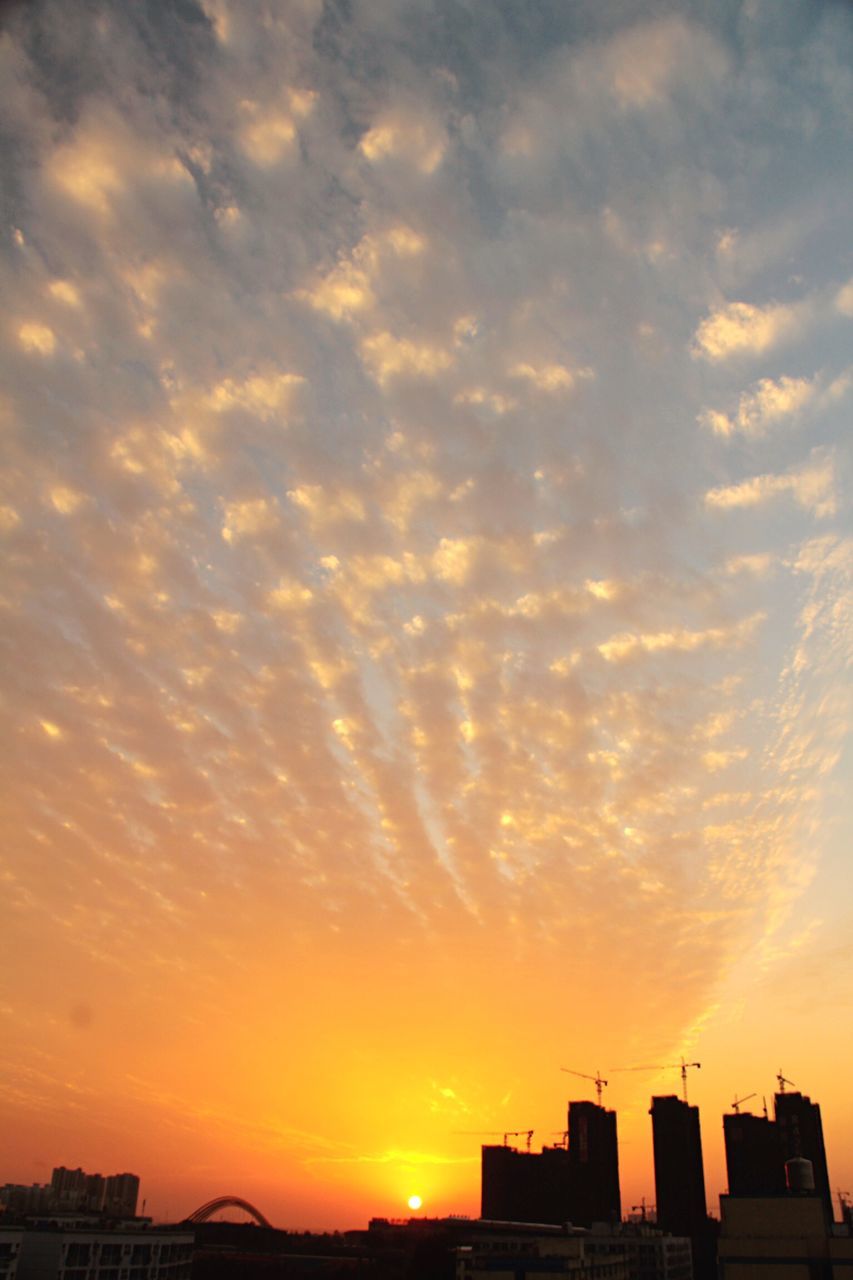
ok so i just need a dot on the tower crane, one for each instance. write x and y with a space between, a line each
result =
681 1066
527 1134
783 1081
642 1206
597 1079
738 1102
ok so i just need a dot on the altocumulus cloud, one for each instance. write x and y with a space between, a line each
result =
363 558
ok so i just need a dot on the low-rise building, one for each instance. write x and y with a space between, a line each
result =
523 1250
54 1253
650 1254
10 1249
784 1237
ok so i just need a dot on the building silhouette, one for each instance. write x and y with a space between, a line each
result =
754 1161
679 1173
594 1159
578 1185
526 1186
75 1191
757 1148
121 1193
801 1135
680 1180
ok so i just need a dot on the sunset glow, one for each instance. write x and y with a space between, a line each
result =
425 585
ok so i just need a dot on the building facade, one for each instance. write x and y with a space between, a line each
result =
783 1237
141 1254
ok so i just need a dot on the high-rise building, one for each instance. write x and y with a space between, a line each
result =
754 1159
594 1156
679 1173
525 1186
578 1185
800 1132
68 1188
680 1181
757 1148
121 1194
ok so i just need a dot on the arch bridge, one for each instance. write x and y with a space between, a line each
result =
205 1211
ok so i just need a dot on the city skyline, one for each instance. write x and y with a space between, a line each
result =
425 583
575 1190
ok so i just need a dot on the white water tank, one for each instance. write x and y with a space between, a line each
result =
799 1175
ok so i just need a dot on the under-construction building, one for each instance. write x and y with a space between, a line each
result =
757 1148
578 1184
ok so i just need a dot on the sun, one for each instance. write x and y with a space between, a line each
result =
415 1203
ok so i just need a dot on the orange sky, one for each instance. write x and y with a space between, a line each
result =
425 585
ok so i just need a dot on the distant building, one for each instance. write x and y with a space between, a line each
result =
68 1188
121 1194
73 1191
19 1201
781 1238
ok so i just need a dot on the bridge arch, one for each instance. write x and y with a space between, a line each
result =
205 1211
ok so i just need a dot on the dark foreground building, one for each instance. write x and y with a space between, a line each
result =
784 1237
418 1249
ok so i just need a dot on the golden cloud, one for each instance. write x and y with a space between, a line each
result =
812 487
743 329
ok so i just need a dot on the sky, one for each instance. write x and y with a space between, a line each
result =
426 604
